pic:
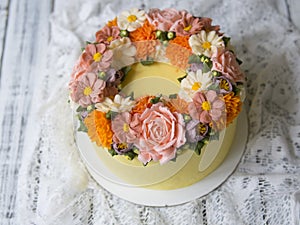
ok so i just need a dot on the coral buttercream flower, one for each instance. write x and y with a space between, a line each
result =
119 104
206 43
182 41
206 22
143 33
162 133
87 89
142 104
107 34
196 131
233 106
99 128
178 56
123 127
145 49
163 19
131 20
97 56
207 107
177 105
123 53
224 61
79 69
187 25
194 82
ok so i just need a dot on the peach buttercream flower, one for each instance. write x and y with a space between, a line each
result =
162 133
142 104
178 55
107 34
163 19
207 107
224 61
87 89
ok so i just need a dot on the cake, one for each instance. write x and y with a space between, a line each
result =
158 94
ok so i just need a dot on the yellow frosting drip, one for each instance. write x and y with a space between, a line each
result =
206 45
206 106
131 18
87 91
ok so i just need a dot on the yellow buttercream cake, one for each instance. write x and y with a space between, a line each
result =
158 93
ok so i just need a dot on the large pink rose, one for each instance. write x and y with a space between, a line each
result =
225 62
163 19
162 132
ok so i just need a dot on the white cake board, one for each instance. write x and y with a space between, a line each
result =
151 197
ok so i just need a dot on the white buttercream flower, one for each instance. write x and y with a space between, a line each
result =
206 43
194 82
123 53
131 20
119 104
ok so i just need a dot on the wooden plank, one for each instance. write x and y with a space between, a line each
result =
4 5
26 39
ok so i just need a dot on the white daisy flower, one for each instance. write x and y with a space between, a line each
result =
194 82
119 104
123 53
131 20
206 43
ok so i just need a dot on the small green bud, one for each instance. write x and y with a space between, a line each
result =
170 35
124 33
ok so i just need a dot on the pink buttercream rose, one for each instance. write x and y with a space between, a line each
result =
207 107
162 133
163 19
87 89
187 25
224 61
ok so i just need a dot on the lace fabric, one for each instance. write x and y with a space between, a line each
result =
54 186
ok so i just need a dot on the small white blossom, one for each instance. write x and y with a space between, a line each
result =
206 43
119 104
131 20
194 82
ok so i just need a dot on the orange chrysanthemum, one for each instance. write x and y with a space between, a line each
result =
177 105
178 55
146 32
233 106
142 104
112 23
99 128
182 41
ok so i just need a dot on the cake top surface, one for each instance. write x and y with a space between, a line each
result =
154 83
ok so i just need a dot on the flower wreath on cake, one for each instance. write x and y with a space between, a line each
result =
157 127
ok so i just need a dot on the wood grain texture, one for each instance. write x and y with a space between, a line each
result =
25 35
4 6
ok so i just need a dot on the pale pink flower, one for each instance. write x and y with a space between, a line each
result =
206 22
107 34
123 127
87 89
187 25
79 69
97 56
163 19
207 107
224 61
162 133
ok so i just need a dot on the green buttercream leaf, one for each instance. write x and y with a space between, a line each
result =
155 100
173 96
130 155
82 127
181 78
206 68
199 147
239 61
194 59
112 152
80 109
226 40
147 62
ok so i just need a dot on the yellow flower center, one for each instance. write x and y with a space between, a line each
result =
125 127
131 18
224 85
109 39
122 145
206 106
97 57
188 28
206 45
202 129
196 86
87 91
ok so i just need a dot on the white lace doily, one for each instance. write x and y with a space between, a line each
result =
54 186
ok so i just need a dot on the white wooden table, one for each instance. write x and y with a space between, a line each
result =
24 31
